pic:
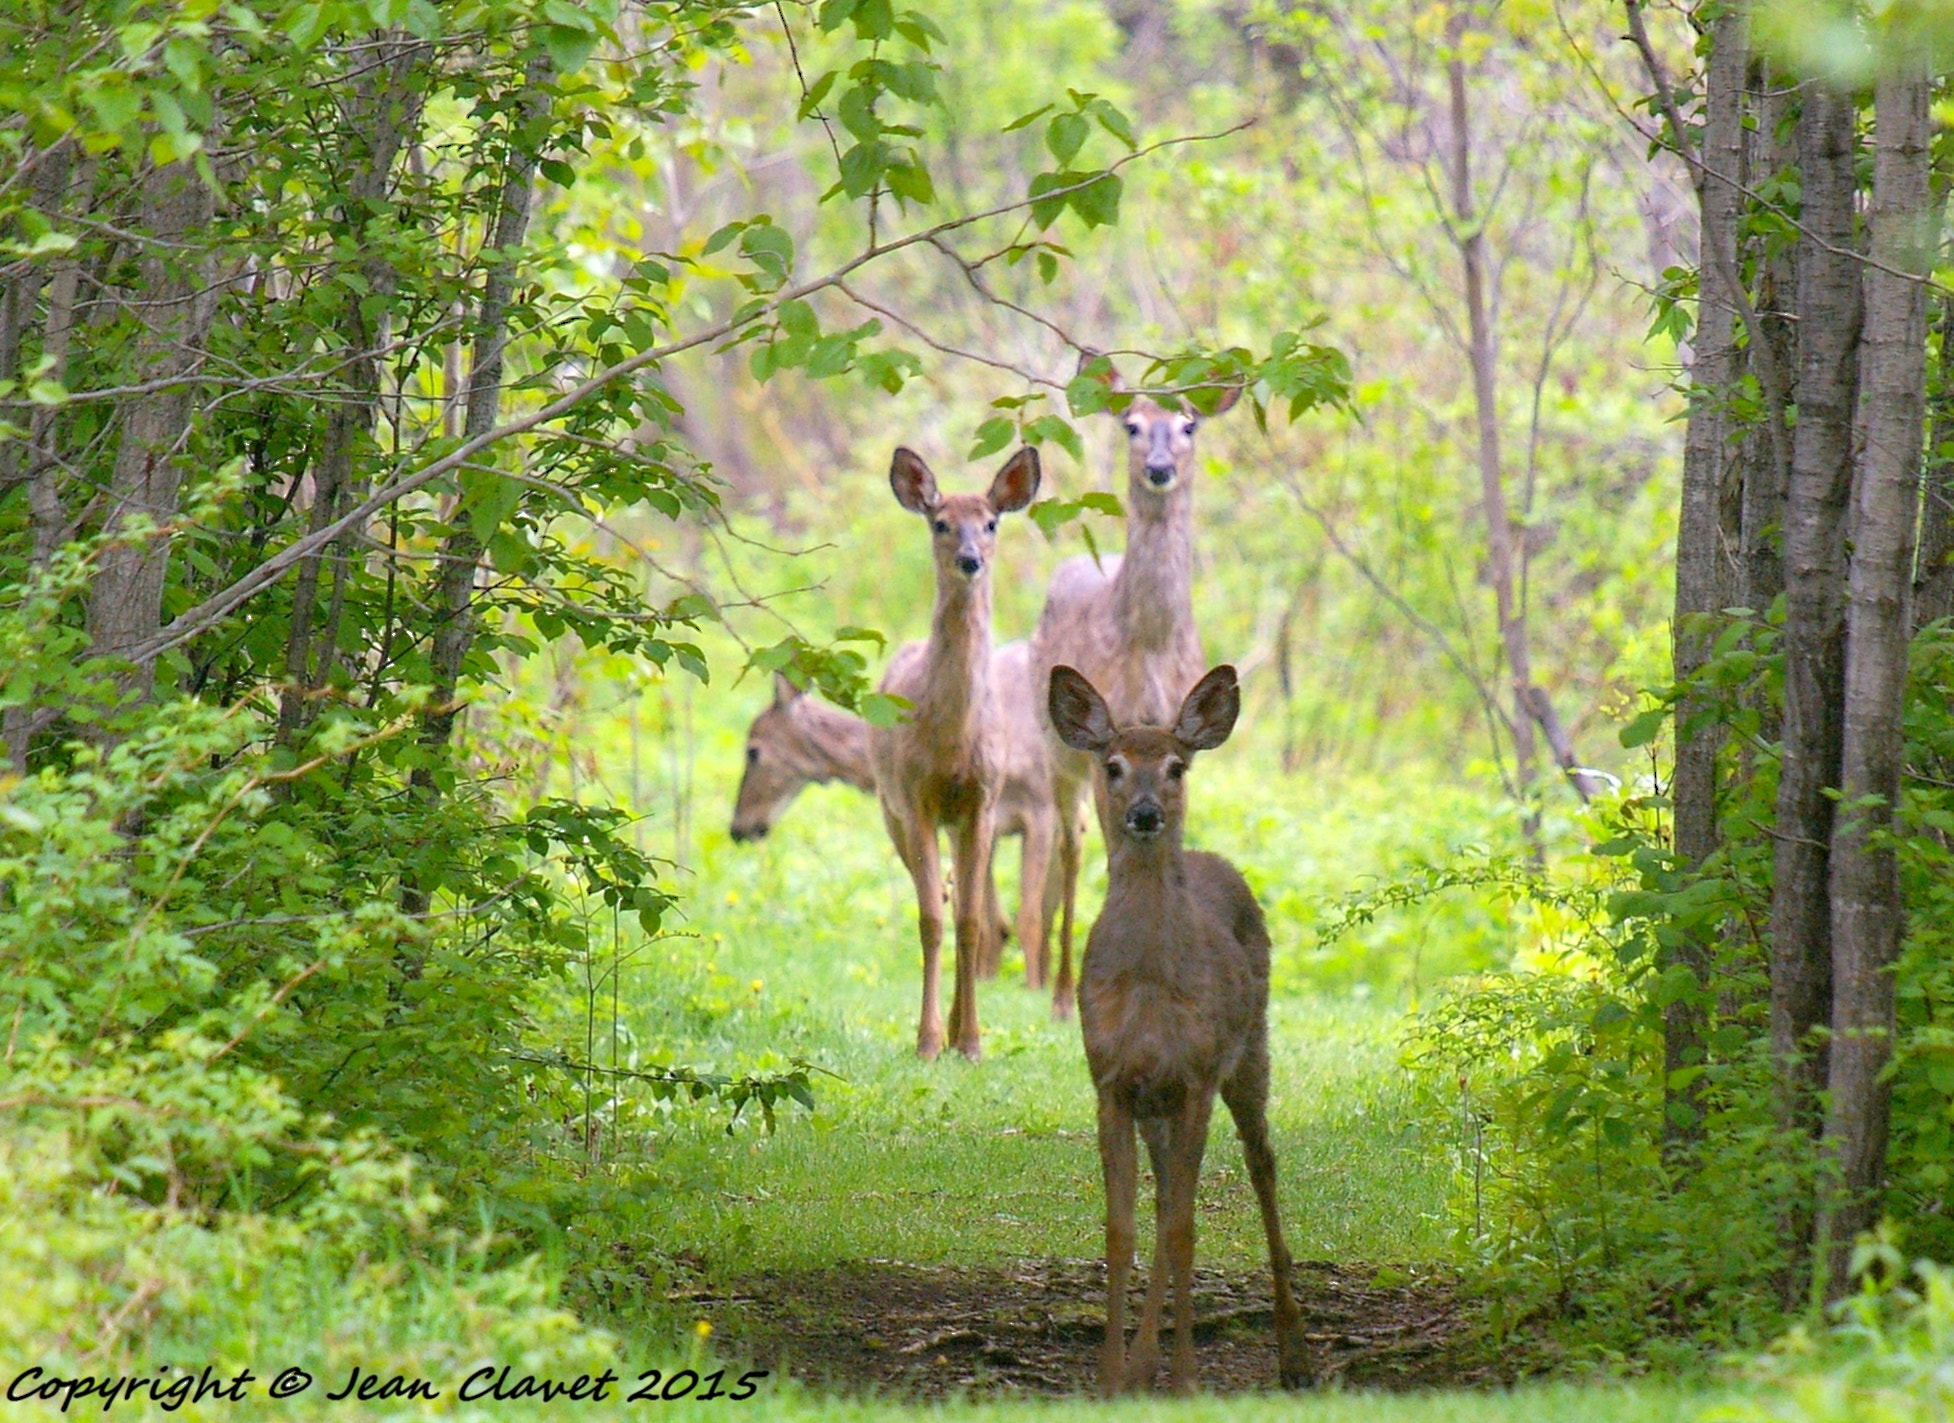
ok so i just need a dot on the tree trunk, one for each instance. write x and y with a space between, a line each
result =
1531 705
1933 577
461 551
1829 310
174 301
1865 879
1701 578
1760 556
385 108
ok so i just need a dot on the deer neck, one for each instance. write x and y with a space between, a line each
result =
1146 867
835 745
959 656
1152 593
1146 895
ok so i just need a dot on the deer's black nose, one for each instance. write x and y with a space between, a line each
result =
1160 475
1145 818
969 564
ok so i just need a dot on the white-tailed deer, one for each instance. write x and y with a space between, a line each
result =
798 741
1127 625
943 766
1173 1004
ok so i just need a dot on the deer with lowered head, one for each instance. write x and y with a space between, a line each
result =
798 741
1173 1005
1127 623
942 768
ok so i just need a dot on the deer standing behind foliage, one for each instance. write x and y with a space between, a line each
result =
943 767
1127 623
1173 1005
798 740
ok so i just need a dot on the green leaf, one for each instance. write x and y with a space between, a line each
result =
874 19
308 22
1027 120
911 182
1057 428
834 14
993 435
863 166
720 238
488 497
1113 121
881 709
817 91
569 48
1065 136
1098 201
1044 210
1645 727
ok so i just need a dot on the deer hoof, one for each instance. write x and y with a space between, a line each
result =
1061 1008
929 1041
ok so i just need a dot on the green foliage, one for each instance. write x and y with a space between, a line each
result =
1886 1356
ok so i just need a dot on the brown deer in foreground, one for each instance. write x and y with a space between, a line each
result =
1127 625
943 767
1173 1002
798 741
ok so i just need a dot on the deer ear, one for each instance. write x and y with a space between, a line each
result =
1208 715
912 481
1111 379
1227 400
784 691
1016 484
1078 711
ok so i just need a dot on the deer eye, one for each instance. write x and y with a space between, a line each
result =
752 755
1112 771
1132 427
1176 769
942 526
991 527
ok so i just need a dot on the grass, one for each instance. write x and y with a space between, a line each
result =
804 946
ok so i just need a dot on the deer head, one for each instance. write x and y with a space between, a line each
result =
1160 438
963 527
1143 768
776 765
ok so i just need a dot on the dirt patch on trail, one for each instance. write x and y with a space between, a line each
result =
1034 1328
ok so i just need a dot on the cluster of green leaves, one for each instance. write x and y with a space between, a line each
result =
1551 1083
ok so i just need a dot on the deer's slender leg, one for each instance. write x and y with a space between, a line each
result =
1035 869
1119 1162
1144 1359
915 841
996 927
1187 1141
1068 868
970 843
1247 1096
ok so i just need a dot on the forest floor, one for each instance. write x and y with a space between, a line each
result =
1032 1328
